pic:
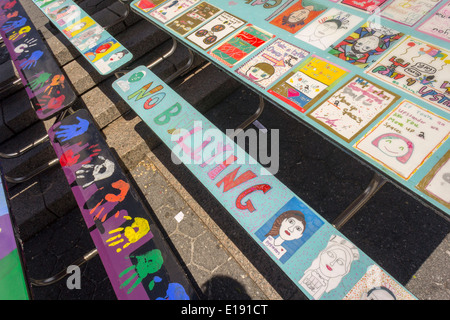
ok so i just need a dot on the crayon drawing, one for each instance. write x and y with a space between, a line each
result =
408 12
193 18
438 25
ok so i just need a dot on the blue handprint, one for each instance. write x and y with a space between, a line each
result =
32 60
70 131
11 25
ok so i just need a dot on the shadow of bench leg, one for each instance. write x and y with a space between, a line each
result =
251 119
60 275
375 184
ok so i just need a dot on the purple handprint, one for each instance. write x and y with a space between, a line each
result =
11 25
31 61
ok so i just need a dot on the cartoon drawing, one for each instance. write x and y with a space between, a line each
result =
298 15
104 65
193 18
260 71
146 264
395 145
330 267
379 293
365 44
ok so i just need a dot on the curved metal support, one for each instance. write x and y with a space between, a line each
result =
375 184
60 275
123 17
251 119
183 69
10 85
34 173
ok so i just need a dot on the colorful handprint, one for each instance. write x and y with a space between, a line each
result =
32 60
138 229
67 132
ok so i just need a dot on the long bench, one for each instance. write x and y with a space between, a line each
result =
136 257
320 260
46 85
14 283
95 44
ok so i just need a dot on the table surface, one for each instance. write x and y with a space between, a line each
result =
366 82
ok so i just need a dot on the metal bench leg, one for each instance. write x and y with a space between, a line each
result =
35 143
375 184
123 17
10 85
60 275
34 173
251 119
183 69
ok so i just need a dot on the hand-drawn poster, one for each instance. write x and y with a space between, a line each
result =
436 183
418 68
376 284
330 27
438 25
288 229
298 15
366 44
241 45
78 27
408 12
215 30
193 18
147 5
365 5
353 107
271 63
308 82
405 138
171 9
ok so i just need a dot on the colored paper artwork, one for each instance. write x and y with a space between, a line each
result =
289 228
271 63
298 15
366 44
215 30
352 108
79 26
147 5
307 83
418 68
376 284
438 25
193 18
408 12
328 28
405 138
171 9
365 5
436 183
241 45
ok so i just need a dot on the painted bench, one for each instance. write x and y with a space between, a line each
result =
320 260
46 85
137 259
13 279
95 44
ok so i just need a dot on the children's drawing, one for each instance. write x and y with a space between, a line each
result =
240 45
271 63
107 64
408 12
307 83
171 9
298 15
193 18
353 107
147 5
78 27
436 183
365 5
418 68
376 284
80 39
328 28
405 138
288 229
102 49
215 30
365 44
330 266
438 25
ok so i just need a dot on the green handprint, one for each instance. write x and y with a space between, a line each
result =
39 82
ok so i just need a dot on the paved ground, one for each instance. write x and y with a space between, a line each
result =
405 237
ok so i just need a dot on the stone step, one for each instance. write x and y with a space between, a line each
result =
18 112
132 139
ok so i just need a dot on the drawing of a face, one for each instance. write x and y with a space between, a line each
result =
116 56
137 76
291 229
260 72
378 293
332 262
299 16
366 44
327 28
393 147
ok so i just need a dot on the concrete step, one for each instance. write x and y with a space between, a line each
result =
132 139
18 112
